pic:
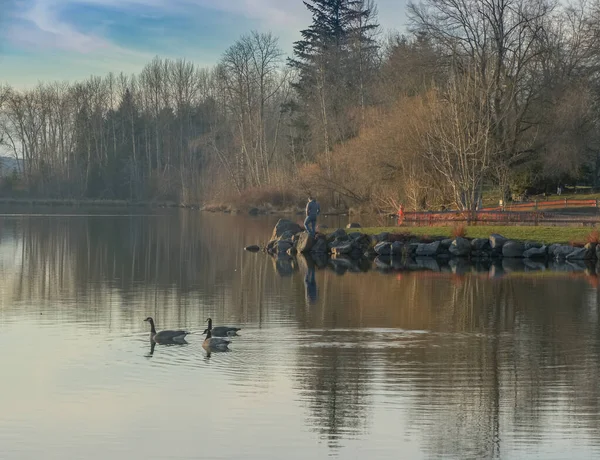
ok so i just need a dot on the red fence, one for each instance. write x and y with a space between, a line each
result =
487 216
550 204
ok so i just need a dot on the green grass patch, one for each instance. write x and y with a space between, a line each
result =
547 235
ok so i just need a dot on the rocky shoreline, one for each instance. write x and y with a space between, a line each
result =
289 239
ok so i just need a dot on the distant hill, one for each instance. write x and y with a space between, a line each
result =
8 164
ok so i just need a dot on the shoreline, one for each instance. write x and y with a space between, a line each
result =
354 243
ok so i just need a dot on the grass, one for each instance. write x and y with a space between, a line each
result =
546 235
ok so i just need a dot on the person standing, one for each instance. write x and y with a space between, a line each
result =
312 211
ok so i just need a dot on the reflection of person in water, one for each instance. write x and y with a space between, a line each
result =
311 285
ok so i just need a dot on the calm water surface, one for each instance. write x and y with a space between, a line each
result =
374 365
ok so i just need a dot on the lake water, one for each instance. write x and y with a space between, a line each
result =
359 363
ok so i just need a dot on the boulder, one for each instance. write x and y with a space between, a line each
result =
252 248
497 241
338 234
253 211
384 248
428 249
343 248
480 244
383 236
561 251
411 248
353 225
535 253
460 247
354 235
370 253
512 249
319 247
446 243
305 242
288 235
532 244
283 246
397 248
590 250
285 225
576 254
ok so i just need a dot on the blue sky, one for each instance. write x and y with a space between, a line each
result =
44 40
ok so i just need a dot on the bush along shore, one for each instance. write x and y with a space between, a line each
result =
289 238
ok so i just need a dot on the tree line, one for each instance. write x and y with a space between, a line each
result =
475 95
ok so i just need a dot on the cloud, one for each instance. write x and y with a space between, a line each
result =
96 36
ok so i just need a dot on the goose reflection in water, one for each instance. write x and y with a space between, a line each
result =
166 343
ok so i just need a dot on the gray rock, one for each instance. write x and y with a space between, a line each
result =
411 248
355 235
480 244
512 249
283 246
590 251
319 247
577 254
305 242
460 247
339 234
397 248
562 251
382 237
285 225
343 248
446 243
287 235
536 253
552 249
532 244
370 253
497 241
353 225
428 249
384 248
253 211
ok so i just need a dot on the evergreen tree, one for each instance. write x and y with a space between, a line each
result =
331 60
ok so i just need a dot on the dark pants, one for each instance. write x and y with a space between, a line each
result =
308 222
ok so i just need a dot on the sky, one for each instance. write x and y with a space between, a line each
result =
46 40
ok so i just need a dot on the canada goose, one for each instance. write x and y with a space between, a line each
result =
166 336
222 331
214 343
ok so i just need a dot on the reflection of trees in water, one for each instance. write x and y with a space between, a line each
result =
530 358
335 386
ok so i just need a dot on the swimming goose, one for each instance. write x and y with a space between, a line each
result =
214 343
166 336
222 331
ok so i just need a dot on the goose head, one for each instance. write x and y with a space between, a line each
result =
209 321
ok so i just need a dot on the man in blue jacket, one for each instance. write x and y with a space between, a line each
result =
312 211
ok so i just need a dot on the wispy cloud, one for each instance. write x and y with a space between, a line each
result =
100 35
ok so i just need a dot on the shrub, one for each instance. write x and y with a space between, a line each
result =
459 231
593 237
